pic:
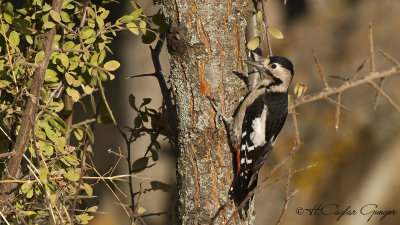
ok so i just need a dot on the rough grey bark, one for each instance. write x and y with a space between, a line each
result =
206 42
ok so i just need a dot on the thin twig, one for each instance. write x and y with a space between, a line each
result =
265 19
371 48
4 218
391 101
103 95
321 73
295 126
85 122
21 218
337 113
154 214
359 68
391 59
338 104
287 195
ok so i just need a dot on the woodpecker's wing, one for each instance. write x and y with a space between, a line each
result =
263 122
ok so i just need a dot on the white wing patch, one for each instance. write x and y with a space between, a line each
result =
258 125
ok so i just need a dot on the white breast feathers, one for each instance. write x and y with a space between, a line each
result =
258 125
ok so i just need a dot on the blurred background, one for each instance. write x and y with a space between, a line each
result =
357 165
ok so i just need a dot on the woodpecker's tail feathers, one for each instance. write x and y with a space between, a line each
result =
242 184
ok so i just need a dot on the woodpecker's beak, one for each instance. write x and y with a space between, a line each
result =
256 64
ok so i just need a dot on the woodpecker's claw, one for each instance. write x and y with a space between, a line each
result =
219 115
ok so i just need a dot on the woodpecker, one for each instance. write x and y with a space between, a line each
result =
257 122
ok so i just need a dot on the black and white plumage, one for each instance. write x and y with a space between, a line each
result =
257 123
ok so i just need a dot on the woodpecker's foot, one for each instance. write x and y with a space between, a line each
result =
242 77
219 115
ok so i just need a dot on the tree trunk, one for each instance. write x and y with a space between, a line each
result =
206 42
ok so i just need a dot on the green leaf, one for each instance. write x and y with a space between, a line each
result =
43 173
68 45
14 38
259 16
50 76
133 28
111 65
26 187
253 43
154 154
135 14
72 175
132 102
126 19
29 39
51 134
46 149
65 17
140 164
159 20
138 122
84 218
64 59
276 33
87 33
71 160
49 25
158 185
149 37
73 93
69 78
140 210
56 17
88 90
101 56
88 189
8 17
104 14
78 134
145 102
100 21
142 26
39 57
29 194
89 132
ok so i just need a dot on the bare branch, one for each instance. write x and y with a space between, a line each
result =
34 65
345 86
321 74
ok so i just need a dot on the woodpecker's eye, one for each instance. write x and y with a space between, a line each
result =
273 65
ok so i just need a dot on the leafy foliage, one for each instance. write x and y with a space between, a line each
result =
54 167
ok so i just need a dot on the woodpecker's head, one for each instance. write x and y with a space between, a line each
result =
279 68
